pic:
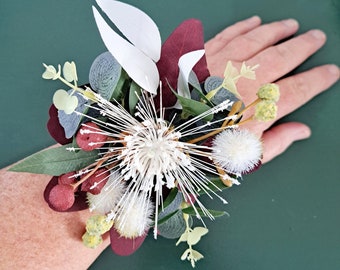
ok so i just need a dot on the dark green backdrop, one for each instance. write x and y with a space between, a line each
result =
286 216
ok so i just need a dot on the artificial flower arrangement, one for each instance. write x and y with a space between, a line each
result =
149 134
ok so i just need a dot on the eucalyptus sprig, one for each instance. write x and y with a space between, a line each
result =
192 237
62 99
231 76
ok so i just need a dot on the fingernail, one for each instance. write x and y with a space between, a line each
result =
318 34
254 19
333 69
303 133
291 23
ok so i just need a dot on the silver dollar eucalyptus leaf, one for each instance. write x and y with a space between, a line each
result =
222 94
174 227
104 74
70 122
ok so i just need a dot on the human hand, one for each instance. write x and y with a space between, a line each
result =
254 43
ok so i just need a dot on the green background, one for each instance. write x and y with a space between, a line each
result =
285 216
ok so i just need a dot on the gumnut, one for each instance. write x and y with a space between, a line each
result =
80 202
61 197
89 137
96 181
67 178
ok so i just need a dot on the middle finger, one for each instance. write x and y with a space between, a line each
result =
246 46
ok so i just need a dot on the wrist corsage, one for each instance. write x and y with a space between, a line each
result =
149 134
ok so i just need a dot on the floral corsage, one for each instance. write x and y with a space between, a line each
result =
149 134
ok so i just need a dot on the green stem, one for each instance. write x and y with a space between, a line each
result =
74 87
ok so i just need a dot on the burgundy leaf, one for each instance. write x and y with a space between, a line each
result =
55 129
256 167
187 37
125 246
80 197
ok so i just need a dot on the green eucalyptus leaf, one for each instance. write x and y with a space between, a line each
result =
174 196
192 107
196 255
171 205
191 211
135 93
186 252
194 82
173 227
70 72
195 235
56 161
120 88
64 101
165 217
70 122
50 72
215 184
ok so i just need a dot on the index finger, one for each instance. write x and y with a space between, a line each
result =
217 43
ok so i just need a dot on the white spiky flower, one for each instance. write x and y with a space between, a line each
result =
148 153
237 150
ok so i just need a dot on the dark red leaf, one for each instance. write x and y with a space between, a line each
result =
80 197
125 246
55 129
256 167
187 37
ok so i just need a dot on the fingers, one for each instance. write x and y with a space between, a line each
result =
246 46
261 45
220 40
257 47
278 60
277 139
298 89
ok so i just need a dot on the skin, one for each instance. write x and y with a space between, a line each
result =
35 237
252 42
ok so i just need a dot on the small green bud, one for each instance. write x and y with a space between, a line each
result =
98 224
92 241
265 111
269 91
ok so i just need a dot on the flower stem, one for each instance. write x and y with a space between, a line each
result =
222 173
98 164
249 106
74 87
242 112
228 122
246 120
234 109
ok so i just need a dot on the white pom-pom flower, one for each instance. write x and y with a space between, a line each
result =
237 150
109 196
135 218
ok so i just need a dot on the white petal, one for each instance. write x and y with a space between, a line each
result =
137 26
186 63
139 67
